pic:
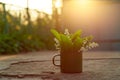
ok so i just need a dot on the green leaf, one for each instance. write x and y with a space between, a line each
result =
66 43
56 34
88 38
76 34
78 43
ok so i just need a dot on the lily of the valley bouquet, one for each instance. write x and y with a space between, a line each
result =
73 42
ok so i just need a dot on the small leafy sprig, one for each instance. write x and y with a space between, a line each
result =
72 42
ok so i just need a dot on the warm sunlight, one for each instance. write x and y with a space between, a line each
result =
42 5
58 3
92 16
83 2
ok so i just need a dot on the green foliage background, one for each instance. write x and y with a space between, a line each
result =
19 37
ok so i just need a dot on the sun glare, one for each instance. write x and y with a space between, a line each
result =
83 2
58 3
41 5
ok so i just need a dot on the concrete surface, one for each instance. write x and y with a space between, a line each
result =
38 66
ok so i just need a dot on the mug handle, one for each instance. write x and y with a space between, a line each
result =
53 60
